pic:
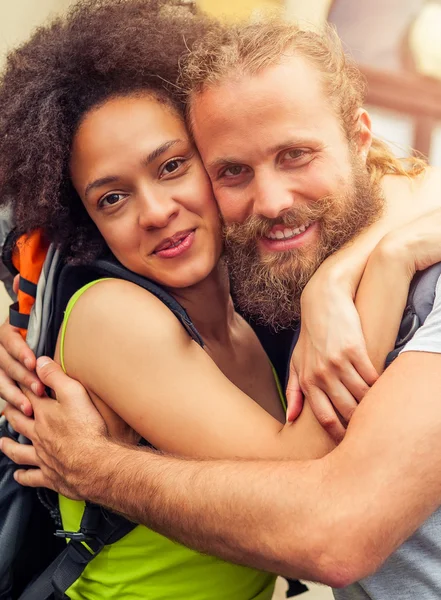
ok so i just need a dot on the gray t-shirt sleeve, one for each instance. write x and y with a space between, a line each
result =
428 337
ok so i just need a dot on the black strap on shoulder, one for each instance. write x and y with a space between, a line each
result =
71 278
99 527
113 269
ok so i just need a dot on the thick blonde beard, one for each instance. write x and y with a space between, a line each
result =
268 287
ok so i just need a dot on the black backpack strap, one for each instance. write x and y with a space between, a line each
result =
99 527
17 318
113 269
71 278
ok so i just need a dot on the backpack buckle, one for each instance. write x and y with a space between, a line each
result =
75 536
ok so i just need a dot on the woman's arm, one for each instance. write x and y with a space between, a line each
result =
332 349
383 290
130 351
381 300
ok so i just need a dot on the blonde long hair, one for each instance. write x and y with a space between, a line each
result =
247 49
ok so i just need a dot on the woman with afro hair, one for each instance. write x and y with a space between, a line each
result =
95 152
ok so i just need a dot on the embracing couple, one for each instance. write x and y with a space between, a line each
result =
127 127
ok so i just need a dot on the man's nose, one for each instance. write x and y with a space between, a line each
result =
271 197
156 210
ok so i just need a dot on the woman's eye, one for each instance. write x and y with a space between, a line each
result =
111 199
171 166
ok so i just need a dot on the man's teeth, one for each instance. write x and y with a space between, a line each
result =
288 232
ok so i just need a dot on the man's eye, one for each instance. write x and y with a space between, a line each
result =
111 199
171 166
233 171
295 154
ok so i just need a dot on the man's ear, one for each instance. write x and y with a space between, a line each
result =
363 138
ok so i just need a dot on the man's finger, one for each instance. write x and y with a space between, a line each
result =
14 344
31 478
53 376
20 422
17 372
16 284
21 454
13 395
33 398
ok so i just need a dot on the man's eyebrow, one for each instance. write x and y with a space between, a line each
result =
221 162
290 143
156 153
231 160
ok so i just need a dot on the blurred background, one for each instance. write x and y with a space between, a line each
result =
396 43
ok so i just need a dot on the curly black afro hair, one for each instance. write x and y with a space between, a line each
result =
100 49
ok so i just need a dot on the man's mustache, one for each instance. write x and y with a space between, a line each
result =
256 226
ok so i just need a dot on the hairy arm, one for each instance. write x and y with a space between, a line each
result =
333 520
166 387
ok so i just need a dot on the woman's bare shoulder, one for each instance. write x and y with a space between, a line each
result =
123 308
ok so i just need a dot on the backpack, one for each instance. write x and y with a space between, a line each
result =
35 564
419 304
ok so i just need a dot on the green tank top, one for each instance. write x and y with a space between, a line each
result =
145 564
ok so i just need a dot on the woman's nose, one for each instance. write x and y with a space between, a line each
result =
156 211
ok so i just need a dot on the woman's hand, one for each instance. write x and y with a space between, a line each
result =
333 363
330 363
416 244
17 365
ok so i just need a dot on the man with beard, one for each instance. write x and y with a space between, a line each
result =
276 113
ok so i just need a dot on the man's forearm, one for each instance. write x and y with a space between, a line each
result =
299 519
332 520
229 509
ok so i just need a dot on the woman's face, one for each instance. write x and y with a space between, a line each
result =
143 184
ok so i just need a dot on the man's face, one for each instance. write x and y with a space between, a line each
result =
290 186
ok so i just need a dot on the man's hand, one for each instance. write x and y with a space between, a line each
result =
17 365
68 435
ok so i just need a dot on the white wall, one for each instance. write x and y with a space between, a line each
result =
313 11
18 18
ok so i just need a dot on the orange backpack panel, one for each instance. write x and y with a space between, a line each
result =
28 256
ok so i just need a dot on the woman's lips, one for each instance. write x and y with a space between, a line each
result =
176 245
